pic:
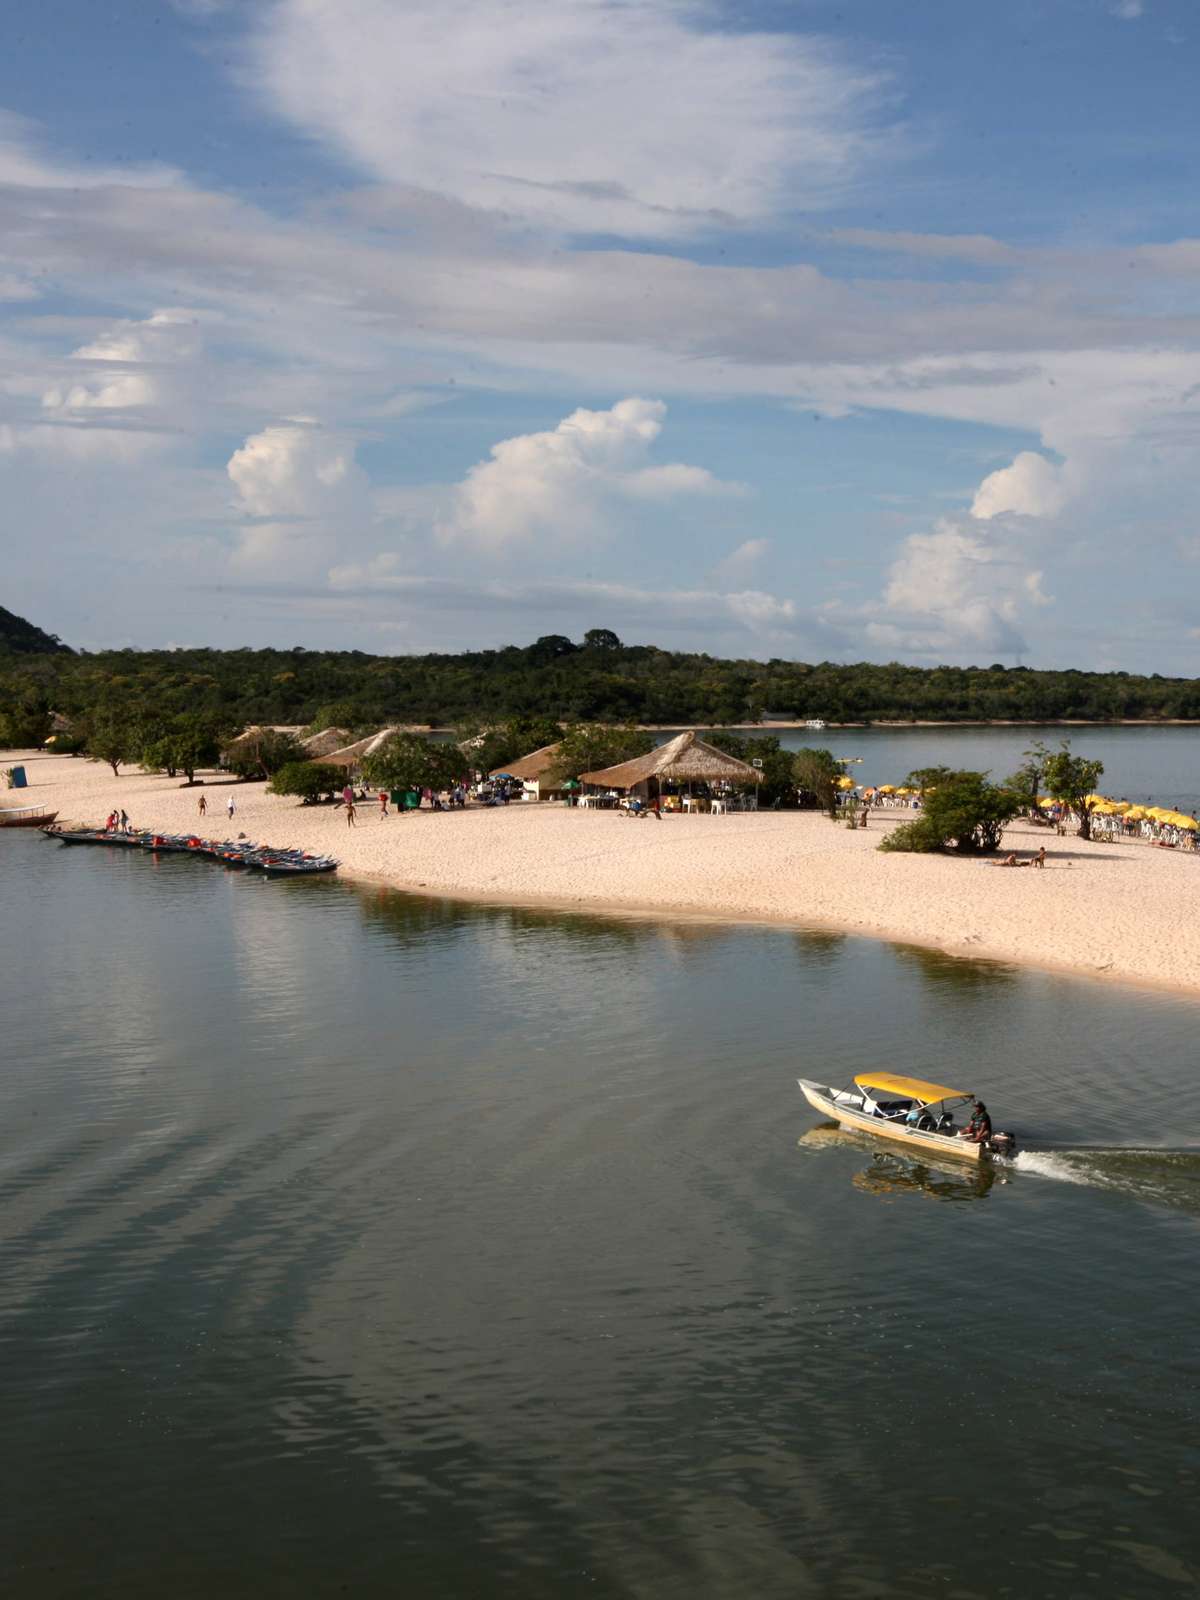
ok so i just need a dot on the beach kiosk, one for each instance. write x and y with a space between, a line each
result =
685 770
533 771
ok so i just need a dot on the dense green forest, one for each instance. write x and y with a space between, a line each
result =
598 679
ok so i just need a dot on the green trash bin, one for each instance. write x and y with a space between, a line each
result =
412 800
396 797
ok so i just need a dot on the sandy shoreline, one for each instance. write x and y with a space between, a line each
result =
1124 912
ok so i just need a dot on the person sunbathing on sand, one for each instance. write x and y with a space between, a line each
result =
1009 861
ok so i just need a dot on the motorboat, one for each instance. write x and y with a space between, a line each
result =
907 1111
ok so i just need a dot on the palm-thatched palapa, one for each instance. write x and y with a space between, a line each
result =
532 769
684 759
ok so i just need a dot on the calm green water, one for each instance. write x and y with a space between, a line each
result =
375 1246
1159 765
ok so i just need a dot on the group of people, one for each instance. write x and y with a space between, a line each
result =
230 807
118 822
1010 860
437 802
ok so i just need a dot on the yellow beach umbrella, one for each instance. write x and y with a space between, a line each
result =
1189 823
887 788
1121 805
1135 814
845 782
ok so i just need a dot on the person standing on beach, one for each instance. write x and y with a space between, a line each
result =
124 821
350 823
383 798
230 807
347 796
203 806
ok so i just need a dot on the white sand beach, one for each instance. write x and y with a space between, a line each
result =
1124 911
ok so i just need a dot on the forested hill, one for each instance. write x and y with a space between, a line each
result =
598 680
19 637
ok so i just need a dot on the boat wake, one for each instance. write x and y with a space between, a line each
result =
1155 1175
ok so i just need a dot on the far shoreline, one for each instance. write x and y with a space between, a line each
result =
1121 911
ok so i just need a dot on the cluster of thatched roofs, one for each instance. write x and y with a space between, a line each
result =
684 759
332 746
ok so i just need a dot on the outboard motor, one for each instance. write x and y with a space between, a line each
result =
1003 1144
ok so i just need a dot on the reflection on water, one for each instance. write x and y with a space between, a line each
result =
892 1174
947 972
363 1243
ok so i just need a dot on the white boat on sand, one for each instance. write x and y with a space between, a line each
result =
906 1111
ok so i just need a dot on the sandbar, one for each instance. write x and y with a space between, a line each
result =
1114 911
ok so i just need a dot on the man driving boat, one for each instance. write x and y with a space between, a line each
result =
979 1129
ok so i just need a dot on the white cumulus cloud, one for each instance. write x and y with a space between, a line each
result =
1030 487
954 592
562 480
289 469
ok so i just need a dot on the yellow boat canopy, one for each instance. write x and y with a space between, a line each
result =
914 1088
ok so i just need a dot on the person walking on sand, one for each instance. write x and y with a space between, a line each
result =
230 807
350 823
203 806
383 799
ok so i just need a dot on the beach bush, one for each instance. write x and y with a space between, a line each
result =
962 812
307 779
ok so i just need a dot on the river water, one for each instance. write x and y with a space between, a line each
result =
1159 765
358 1243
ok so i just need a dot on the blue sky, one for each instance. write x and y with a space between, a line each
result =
829 331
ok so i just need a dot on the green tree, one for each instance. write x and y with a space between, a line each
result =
112 736
816 775
307 779
601 639
185 743
590 747
337 714
1072 779
406 761
263 755
963 812
26 723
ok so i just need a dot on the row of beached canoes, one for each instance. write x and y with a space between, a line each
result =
232 852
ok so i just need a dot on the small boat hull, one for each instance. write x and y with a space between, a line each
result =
896 1132
33 817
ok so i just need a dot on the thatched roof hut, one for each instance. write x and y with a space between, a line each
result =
319 745
352 756
684 759
532 770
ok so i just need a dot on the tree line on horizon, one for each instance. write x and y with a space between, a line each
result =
597 680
